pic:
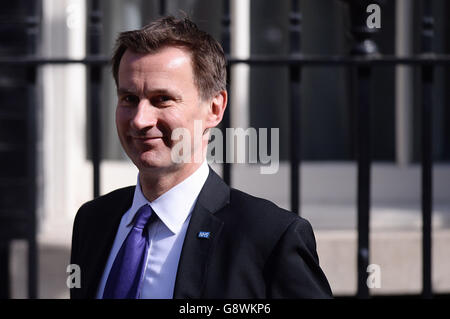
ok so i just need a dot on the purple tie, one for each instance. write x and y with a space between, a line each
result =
126 272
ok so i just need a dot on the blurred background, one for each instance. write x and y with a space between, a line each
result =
364 147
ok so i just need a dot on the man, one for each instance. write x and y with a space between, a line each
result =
181 232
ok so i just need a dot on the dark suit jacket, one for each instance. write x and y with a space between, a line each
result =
255 249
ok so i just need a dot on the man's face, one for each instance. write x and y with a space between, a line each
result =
156 94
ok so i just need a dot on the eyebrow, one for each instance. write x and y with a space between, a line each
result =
124 91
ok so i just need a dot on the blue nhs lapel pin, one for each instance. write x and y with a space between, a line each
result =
203 234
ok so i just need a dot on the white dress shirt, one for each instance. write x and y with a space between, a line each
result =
166 234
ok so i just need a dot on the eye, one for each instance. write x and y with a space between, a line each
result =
130 99
161 100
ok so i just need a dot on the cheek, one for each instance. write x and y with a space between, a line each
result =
122 117
171 119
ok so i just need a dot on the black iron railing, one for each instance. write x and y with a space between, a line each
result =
18 151
363 58
427 174
95 82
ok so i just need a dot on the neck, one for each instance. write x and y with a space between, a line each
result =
154 184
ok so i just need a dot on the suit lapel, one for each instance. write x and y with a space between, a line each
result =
196 252
110 220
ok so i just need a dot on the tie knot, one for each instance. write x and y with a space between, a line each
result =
143 216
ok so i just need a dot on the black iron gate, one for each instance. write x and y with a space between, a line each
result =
19 30
363 57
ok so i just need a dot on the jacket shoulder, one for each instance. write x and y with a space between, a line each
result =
94 220
261 216
256 207
262 226
99 206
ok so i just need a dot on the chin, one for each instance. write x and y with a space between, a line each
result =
150 161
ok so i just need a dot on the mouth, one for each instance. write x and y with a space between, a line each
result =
145 138
147 142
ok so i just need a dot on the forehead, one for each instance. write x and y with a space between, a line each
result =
169 62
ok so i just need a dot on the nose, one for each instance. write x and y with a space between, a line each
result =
144 117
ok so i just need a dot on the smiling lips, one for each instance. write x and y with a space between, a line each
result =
140 137
144 138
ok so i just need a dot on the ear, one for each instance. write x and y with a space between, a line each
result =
216 109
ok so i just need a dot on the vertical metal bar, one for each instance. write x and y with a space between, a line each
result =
226 44
427 173
4 270
32 31
363 201
363 46
294 90
162 7
404 82
94 42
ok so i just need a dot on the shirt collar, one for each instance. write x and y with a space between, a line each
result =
175 205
